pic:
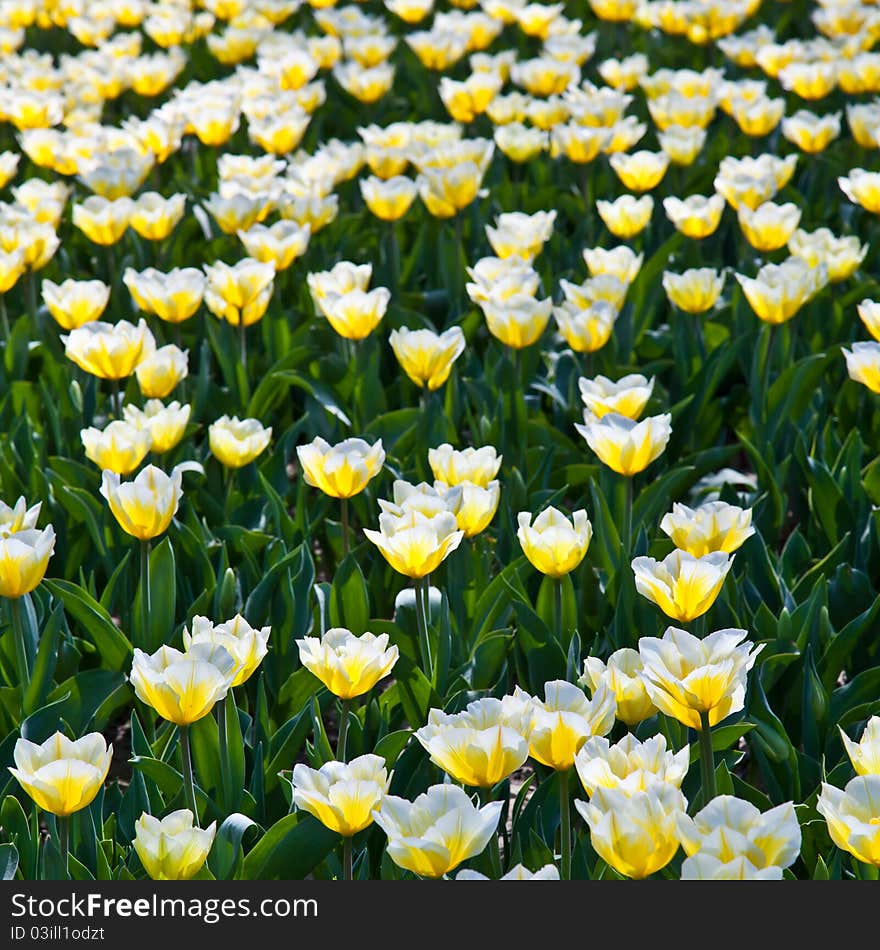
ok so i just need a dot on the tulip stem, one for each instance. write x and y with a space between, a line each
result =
242 330
768 369
189 790
64 841
21 653
116 399
343 731
225 771
345 527
4 319
145 592
707 759
422 620
347 863
494 849
564 826
627 517
557 607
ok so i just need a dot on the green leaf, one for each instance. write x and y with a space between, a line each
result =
113 646
227 844
289 850
8 861
349 599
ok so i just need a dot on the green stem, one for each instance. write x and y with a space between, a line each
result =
564 826
422 620
145 592
347 862
707 759
64 841
345 528
494 851
225 770
21 651
700 626
557 612
116 399
343 730
242 330
627 517
768 367
189 789
4 319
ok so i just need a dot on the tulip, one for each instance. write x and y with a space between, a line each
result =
635 834
279 244
640 171
869 314
435 833
75 302
239 294
586 328
343 278
627 396
236 442
840 255
355 314
682 145
728 829
480 746
852 817
810 132
553 544
101 220
465 100
518 872
862 188
630 765
18 517
446 191
415 544
684 587
347 665
160 371
864 754
24 557
427 357
623 678
694 291
863 364
144 507
621 262
706 867
521 235
519 321
454 466
173 848
237 211
696 216
120 447
247 645
154 217
625 446
769 226
714 526
604 288
165 425
520 143
173 296
474 506
579 144
780 290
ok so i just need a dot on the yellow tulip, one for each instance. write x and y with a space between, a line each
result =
521 235
682 586
626 216
62 776
24 557
239 294
342 796
863 364
640 171
73 303
455 466
108 350
103 221
622 676
852 817
347 665
245 644
681 144
714 526
160 371
696 216
688 678
427 357
810 132
553 544
120 447
154 217
630 765
12 266
173 848
164 424
624 74
464 101
840 255
237 442
696 290
390 198
342 470
869 314
586 328
366 85
862 188
621 262
864 754
145 506
521 143
18 517
415 544
519 321
628 396
474 505
237 212
780 290
355 314
812 80
173 296
625 446
769 226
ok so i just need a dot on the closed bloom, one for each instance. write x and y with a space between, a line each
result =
696 216
626 216
154 217
770 225
557 726
454 466
342 796
640 171
389 199
810 132
24 557
279 244
636 833
840 255
426 356
553 544
101 220
12 266
435 833
160 371
586 328
578 143
862 188
416 544
621 262
520 143
239 293
694 291
347 665
108 350
247 645
355 314
715 526
519 320
863 364
341 279
236 442
173 296
480 746
869 314
780 290
62 776
145 506
342 470
623 676
520 235
119 447
682 144
173 848
853 817
183 687
630 765
446 191
75 302
165 425
475 505
682 586
625 446
626 396
865 754
687 677
729 828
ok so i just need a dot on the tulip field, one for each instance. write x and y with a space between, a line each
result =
439 439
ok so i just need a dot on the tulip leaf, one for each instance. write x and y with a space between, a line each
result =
112 644
226 850
44 665
8 861
349 601
723 737
289 850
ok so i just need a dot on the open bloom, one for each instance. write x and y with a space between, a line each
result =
342 796
24 557
108 350
119 447
160 371
183 687
173 848
553 544
853 816
426 356
347 665
625 446
73 303
239 293
682 586
865 754
586 328
389 199
479 746
62 776
101 220
840 255
863 364
18 517
626 216
173 296
415 544
686 676
695 216
236 442
623 676
715 526
145 506
517 234
279 244
635 833
247 645
356 313
626 396
769 226
694 291
342 470
435 833
729 828
557 726
630 765
780 290
454 466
